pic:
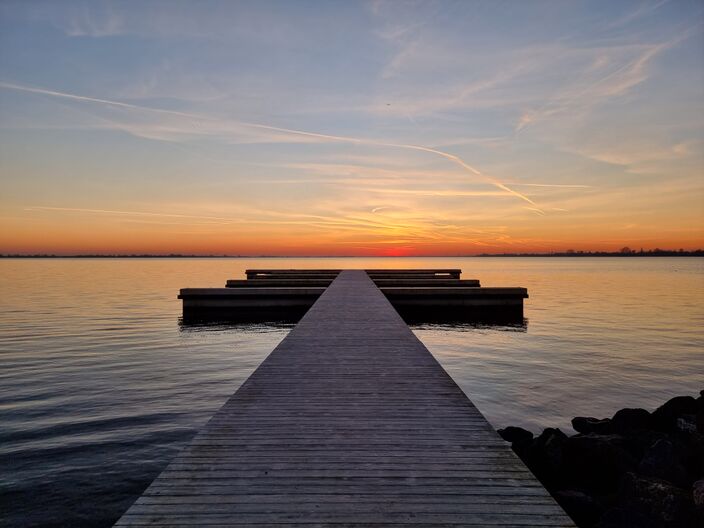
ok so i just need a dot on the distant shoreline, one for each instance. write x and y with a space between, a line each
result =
569 254
649 253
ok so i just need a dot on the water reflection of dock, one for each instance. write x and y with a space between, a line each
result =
349 421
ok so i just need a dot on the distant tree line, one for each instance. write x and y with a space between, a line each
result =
623 252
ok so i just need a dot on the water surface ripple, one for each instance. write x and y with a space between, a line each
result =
101 385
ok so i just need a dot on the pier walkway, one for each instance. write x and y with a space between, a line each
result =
350 421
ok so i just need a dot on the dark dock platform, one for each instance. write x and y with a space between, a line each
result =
419 295
350 421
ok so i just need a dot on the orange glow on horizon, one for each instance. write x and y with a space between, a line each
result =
85 237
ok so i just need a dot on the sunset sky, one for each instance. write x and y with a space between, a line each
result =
351 128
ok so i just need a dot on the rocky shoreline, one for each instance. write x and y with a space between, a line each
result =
636 469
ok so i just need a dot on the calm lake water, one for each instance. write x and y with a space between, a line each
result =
100 385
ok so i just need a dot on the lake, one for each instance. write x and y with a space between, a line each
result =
101 384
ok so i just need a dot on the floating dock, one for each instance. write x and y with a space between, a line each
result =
350 421
419 295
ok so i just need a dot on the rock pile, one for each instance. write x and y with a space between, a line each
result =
634 470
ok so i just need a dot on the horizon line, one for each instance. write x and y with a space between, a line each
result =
568 253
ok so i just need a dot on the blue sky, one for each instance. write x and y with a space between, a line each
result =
351 127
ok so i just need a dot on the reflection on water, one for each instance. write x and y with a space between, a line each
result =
100 385
261 326
464 326
92 414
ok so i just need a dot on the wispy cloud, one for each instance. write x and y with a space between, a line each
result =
618 79
201 121
555 185
88 23
434 192
83 98
335 223
640 156
536 210
641 11
125 213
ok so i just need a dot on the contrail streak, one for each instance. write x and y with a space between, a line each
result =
129 213
430 192
536 210
327 137
465 165
558 185
324 221
74 97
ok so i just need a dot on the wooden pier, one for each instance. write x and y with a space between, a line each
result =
350 421
419 295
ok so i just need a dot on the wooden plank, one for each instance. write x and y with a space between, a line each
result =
286 283
300 270
453 292
437 274
399 281
426 281
277 274
281 276
264 274
350 421
338 508
401 271
280 498
397 271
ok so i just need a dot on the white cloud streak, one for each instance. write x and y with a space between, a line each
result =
615 83
74 97
556 185
126 213
302 133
